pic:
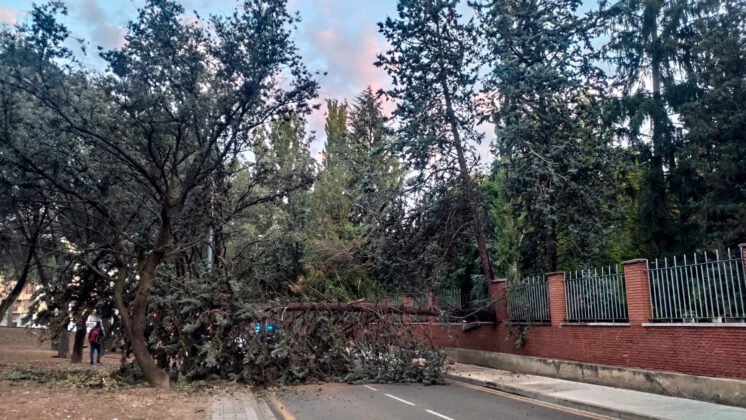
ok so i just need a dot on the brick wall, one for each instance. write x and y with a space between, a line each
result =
705 349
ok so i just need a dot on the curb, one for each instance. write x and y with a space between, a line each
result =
590 408
265 411
275 407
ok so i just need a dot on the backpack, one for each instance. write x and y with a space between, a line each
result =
95 335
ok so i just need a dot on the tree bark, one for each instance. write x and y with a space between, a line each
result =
134 317
63 339
658 206
550 247
79 342
469 195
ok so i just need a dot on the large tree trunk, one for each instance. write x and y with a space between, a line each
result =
469 194
79 342
657 210
63 340
474 314
134 317
108 336
550 247
156 377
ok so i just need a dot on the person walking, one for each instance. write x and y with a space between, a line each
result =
95 337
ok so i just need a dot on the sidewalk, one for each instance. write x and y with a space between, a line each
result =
603 400
239 406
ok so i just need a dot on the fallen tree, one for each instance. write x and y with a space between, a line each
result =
458 314
206 330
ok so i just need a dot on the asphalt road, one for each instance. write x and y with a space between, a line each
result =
455 401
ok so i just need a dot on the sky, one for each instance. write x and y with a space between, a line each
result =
339 37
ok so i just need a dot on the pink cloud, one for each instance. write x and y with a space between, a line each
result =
347 57
7 16
327 36
348 60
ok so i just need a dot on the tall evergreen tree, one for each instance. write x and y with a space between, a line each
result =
268 247
709 180
331 203
642 37
354 192
551 146
434 64
379 174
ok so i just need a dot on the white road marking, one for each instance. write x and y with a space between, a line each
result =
438 414
370 388
399 399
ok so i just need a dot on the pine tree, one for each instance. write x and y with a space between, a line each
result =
434 64
551 146
642 37
354 191
710 174
331 201
379 175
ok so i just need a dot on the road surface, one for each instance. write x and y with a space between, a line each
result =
455 401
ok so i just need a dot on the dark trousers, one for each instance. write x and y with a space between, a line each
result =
96 347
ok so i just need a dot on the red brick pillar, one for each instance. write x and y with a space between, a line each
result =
557 308
499 299
742 247
638 291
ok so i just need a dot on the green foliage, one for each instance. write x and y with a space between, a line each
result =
204 330
353 194
707 182
434 63
555 156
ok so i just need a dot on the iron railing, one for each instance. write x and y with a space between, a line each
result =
591 296
528 300
417 300
396 300
450 299
699 290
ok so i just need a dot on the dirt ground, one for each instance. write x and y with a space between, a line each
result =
30 398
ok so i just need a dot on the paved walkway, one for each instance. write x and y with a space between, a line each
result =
239 406
604 400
